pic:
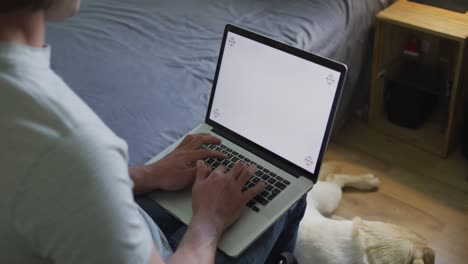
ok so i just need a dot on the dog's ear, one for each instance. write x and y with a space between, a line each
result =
390 251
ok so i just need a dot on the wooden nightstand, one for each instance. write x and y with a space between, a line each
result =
443 35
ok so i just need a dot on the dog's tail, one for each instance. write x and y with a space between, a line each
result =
425 255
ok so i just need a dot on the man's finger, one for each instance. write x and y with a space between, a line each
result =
202 170
237 169
194 169
246 174
220 170
252 192
185 141
202 139
202 154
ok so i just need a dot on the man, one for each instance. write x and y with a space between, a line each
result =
66 193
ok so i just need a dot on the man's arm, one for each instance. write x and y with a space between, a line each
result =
198 245
217 201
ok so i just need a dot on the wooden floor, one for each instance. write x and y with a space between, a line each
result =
420 191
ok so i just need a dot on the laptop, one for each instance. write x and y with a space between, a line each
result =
272 105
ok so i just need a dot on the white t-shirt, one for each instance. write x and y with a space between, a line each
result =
65 192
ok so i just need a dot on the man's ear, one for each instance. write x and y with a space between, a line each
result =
59 10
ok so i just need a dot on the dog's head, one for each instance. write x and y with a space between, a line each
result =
384 243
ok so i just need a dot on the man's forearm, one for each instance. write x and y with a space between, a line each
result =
199 243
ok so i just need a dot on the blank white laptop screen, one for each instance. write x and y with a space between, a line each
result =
275 99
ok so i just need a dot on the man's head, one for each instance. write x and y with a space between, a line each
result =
54 10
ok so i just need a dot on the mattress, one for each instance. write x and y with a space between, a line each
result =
146 67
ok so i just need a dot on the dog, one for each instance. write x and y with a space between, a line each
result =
328 240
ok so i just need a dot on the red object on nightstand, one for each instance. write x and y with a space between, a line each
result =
413 48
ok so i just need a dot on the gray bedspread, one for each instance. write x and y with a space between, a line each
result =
146 66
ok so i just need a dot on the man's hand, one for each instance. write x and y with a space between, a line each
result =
217 197
175 171
217 201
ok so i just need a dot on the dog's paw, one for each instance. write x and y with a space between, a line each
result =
371 180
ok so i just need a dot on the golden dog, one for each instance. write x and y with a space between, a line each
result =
327 240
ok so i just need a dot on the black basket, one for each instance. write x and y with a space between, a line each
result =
412 91
407 106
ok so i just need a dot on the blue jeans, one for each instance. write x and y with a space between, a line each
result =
279 238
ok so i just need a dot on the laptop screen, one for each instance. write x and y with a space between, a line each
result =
275 99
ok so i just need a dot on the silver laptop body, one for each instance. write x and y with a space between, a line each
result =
272 105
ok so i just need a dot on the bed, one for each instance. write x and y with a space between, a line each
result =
146 66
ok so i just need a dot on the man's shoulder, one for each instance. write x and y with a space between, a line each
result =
46 112
46 100
47 125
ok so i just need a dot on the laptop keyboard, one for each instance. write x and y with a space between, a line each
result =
274 184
